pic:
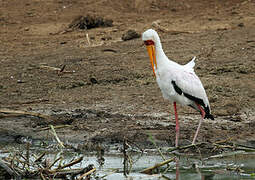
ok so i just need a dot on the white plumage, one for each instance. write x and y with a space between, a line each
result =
178 83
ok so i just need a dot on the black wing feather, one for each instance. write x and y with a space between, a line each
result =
195 99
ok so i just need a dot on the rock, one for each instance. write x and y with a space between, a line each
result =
26 29
93 80
130 34
241 25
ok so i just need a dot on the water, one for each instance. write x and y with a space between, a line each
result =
238 165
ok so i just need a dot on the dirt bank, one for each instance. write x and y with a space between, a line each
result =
110 92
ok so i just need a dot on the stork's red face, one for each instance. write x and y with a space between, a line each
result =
151 51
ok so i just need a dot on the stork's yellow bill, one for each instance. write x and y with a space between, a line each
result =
151 51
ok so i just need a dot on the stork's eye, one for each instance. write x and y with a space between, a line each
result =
149 42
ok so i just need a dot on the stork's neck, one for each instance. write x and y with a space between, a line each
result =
160 55
158 43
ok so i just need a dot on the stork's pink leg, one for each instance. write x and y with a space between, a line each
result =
200 122
177 128
177 173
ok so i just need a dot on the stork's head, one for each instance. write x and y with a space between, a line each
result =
150 37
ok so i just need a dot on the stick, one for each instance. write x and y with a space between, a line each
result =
87 36
71 163
245 146
40 157
20 112
125 162
110 173
232 153
153 142
87 173
185 147
9 170
223 141
150 169
55 127
28 154
62 69
58 70
41 175
55 135
50 68
233 147
55 162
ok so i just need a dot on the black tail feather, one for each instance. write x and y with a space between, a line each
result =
209 116
207 112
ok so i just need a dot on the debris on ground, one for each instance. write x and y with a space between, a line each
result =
28 165
89 22
130 34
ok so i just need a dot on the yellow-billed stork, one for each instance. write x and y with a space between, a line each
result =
178 83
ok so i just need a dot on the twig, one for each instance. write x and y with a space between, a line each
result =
4 151
56 160
28 154
185 147
87 173
40 157
116 170
87 37
62 69
153 142
125 162
9 170
55 135
50 68
20 112
223 141
245 146
58 70
224 155
42 176
165 177
55 127
233 145
21 165
136 145
71 163
237 148
150 169
131 164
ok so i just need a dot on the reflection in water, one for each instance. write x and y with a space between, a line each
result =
177 168
110 166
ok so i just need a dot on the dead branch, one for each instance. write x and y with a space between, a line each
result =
56 160
58 70
40 157
55 127
9 170
185 147
125 162
18 168
56 136
150 169
87 173
20 112
28 154
76 161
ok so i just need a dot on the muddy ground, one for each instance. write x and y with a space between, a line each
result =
111 92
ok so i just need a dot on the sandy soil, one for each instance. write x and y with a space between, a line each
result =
112 93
